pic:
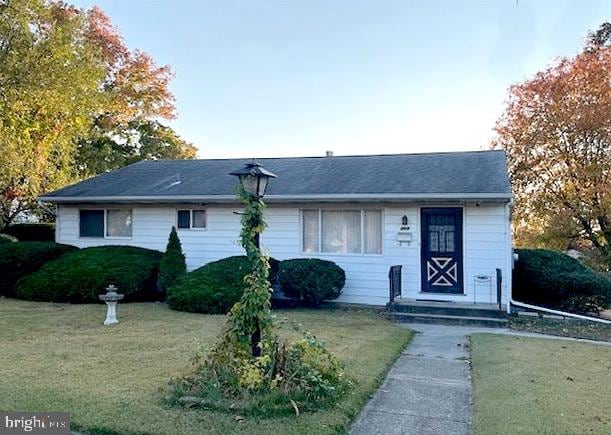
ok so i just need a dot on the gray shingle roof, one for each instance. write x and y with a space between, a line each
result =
468 174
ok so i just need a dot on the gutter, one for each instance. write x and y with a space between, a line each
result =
484 197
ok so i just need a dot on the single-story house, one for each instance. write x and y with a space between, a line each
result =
444 217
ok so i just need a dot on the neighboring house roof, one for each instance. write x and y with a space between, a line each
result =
456 175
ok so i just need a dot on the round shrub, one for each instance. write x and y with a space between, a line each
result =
81 276
5 238
41 232
555 280
23 258
214 287
311 280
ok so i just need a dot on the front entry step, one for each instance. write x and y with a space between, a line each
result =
446 319
447 309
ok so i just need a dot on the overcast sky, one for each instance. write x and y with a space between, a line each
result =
289 78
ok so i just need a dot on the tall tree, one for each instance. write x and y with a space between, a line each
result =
49 92
129 130
74 101
556 130
105 150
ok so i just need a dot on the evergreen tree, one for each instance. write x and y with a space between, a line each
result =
172 265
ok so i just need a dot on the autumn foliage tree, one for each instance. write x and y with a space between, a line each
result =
74 101
556 130
129 129
49 92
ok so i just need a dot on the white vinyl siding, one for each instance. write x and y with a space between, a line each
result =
485 239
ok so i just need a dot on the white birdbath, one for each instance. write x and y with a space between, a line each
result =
111 298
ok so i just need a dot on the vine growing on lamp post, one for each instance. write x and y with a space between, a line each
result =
251 316
251 367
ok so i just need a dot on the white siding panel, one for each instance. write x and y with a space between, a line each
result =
485 245
486 231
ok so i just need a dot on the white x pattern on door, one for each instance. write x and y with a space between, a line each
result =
442 271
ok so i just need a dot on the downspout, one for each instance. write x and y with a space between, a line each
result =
509 242
559 313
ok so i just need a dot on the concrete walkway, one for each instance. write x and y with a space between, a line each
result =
428 389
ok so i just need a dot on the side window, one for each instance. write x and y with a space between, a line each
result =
184 219
91 223
189 219
199 219
118 223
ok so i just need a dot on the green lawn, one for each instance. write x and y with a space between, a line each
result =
564 328
539 386
56 357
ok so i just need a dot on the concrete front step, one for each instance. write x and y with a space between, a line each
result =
445 319
462 310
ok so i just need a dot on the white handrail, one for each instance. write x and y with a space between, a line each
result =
560 313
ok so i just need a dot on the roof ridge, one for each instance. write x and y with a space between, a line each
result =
333 157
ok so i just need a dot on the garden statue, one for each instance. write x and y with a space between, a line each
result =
111 297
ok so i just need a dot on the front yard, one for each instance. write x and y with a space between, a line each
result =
540 386
59 357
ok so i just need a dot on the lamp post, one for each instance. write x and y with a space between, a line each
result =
254 180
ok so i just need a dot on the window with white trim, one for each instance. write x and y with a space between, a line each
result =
191 219
350 231
105 223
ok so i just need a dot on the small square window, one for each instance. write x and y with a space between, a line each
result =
199 219
184 219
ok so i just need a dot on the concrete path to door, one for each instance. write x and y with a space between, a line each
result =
428 389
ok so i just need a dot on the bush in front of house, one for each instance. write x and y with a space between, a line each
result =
214 287
311 280
81 276
555 280
42 232
20 259
173 264
5 238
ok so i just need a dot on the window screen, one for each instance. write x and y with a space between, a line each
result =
310 231
199 218
118 223
373 231
91 223
341 231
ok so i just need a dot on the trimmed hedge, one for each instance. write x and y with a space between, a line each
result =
214 287
5 238
23 258
311 280
555 280
44 232
81 276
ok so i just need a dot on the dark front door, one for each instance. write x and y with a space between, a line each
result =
441 250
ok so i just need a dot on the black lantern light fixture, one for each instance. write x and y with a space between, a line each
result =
254 178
